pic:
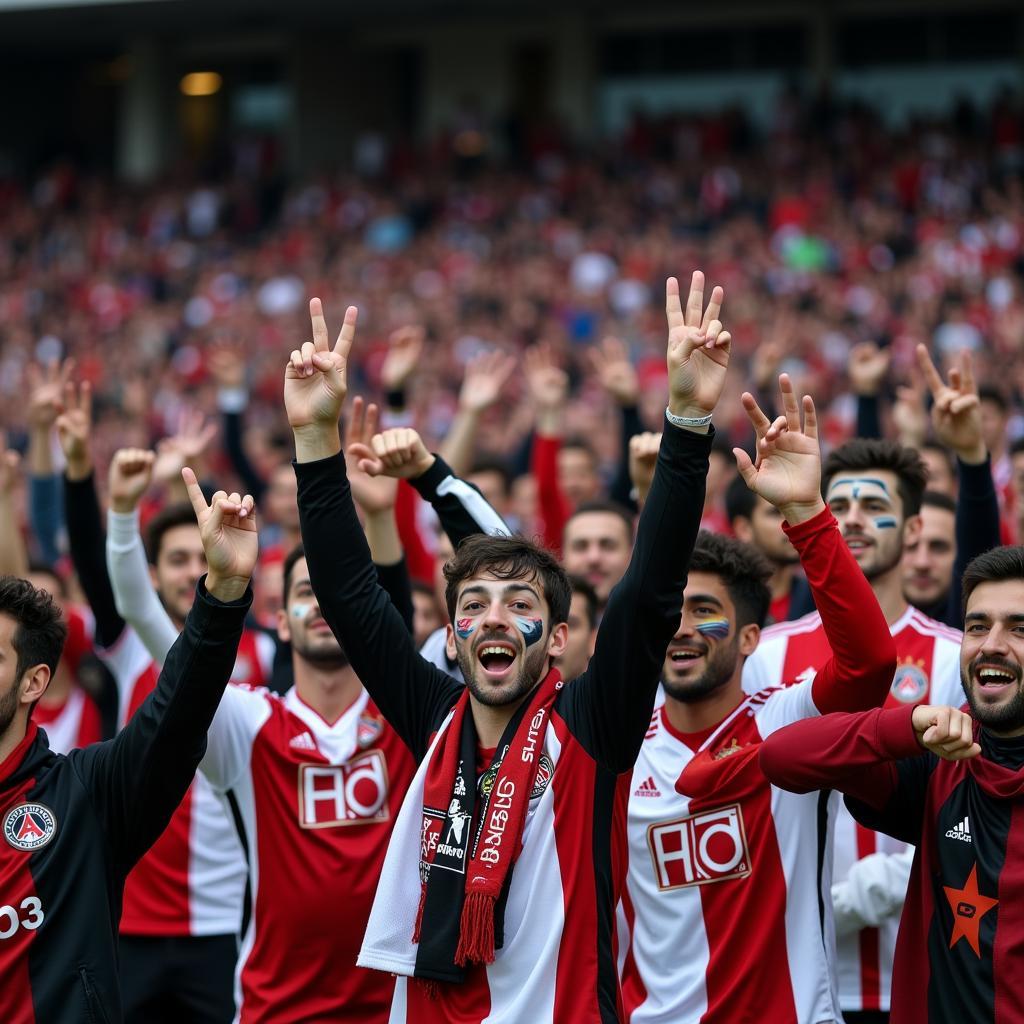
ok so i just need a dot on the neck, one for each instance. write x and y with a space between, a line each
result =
328 690
888 590
13 735
782 580
698 715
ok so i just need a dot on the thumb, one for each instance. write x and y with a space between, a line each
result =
325 362
745 467
365 458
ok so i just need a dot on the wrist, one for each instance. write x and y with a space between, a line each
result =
226 588
424 465
973 456
123 506
78 469
692 418
316 441
796 512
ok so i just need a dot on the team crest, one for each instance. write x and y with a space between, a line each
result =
29 826
732 748
545 769
368 729
486 783
910 684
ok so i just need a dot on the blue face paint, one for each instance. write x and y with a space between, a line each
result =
856 481
532 629
299 610
464 628
885 522
714 629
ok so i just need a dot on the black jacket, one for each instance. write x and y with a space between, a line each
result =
73 826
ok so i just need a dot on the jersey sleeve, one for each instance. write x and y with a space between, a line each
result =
873 891
461 508
776 708
240 716
412 694
609 707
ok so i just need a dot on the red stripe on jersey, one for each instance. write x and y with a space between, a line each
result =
869 938
1009 994
468 1003
634 992
17 890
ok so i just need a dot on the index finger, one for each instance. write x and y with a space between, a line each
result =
195 493
316 316
347 333
695 302
673 308
931 375
758 420
967 372
714 307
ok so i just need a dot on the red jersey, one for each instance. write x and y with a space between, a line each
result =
315 802
928 671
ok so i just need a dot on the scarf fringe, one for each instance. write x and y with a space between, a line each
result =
429 987
476 932
419 914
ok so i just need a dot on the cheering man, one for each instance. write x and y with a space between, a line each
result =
498 887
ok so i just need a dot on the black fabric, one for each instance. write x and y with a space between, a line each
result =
869 419
621 489
253 483
171 980
395 580
110 801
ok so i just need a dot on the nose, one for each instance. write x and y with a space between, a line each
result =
853 518
685 630
495 617
919 557
995 641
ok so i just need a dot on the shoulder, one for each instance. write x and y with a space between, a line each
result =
809 623
928 627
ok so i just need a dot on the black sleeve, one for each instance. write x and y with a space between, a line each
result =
622 486
462 509
138 778
869 420
977 528
251 480
609 707
903 816
395 581
520 461
412 694
88 543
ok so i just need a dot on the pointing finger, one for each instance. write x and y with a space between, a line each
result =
757 418
928 371
316 316
195 493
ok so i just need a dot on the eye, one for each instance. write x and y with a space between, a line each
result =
977 627
704 610
521 606
472 606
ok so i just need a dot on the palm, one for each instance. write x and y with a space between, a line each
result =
231 545
315 381
956 412
73 433
696 372
372 493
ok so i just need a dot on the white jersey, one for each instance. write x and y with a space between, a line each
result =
928 671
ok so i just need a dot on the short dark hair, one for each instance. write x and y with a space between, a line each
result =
585 589
168 518
742 568
873 453
740 500
1004 563
296 554
583 445
988 393
508 558
422 587
611 507
40 568
940 449
1017 447
493 464
40 632
936 499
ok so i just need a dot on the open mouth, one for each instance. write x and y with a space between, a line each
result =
496 659
857 544
683 656
994 679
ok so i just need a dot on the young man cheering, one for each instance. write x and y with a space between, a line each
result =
497 891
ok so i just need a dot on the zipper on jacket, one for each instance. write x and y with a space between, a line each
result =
97 1015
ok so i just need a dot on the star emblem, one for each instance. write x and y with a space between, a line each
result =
969 907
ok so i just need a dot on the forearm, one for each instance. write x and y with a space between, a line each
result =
622 486
44 514
382 537
552 506
457 448
394 579
869 421
977 526
859 672
232 404
461 508
13 555
135 597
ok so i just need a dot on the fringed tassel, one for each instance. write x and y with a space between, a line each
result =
476 930
419 915
429 987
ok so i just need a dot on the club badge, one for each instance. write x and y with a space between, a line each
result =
368 729
29 826
910 684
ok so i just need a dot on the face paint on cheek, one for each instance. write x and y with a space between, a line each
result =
714 629
532 629
464 628
885 522
300 611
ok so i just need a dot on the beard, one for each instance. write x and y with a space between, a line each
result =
881 562
8 709
720 667
1000 718
327 654
511 691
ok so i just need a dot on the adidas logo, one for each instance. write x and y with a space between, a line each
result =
647 788
961 832
302 742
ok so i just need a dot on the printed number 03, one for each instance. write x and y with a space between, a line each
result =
9 920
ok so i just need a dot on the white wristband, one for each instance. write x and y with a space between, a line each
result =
687 421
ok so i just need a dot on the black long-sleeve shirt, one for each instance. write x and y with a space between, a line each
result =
74 826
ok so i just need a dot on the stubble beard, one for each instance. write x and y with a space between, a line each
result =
720 668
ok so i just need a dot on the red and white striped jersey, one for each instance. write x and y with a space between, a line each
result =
728 879
75 722
192 879
928 671
316 802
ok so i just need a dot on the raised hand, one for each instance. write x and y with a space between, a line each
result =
315 385
956 408
698 349
405 346
373 494
486 374
547 381
947 732
227 527
227 364
643 458
615 371
867 367
399 452
74 429
185 447
787 471
10 467
46 392
131 469
909 413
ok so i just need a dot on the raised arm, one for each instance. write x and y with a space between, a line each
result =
412 694
609 706
787 473
139 778
619 379
134 593
13 556
228 367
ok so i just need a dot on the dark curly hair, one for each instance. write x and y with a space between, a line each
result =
1005 563
864 453
40 631
742 568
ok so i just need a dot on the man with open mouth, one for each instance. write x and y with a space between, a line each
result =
497 893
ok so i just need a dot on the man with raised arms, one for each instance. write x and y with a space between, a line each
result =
498 888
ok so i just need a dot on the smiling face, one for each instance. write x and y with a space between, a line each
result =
597 546
992 655
180 562
869 510
502 638
704 656
928 558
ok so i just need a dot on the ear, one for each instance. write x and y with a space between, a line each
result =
912 529
592 642
152 576
449 642
749 637
741 527
34 683
558 639
284 631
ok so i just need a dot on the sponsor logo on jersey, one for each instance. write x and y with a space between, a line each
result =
647 788
910 684
545 769
733 748
29 826
304 741
710 846
353 793
368 729
961 831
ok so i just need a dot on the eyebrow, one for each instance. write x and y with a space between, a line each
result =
512 588
703 599
860 480
978 616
